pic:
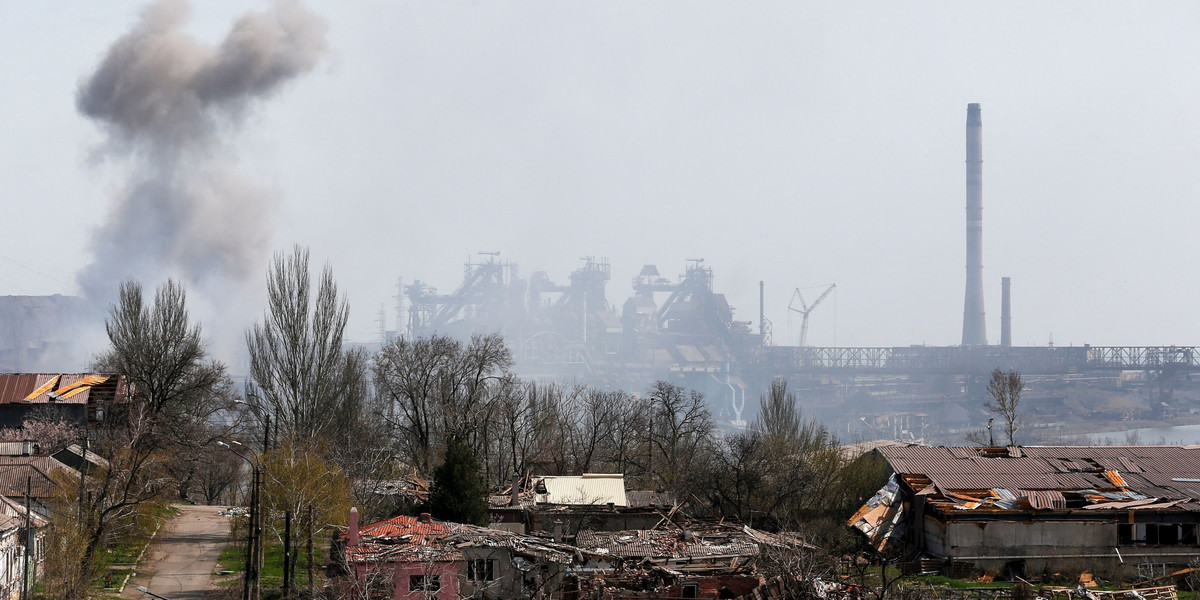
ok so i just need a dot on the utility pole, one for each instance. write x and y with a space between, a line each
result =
251 553
287 554
250 585
28 540
311 583
258 535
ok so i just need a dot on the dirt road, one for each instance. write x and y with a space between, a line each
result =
184 556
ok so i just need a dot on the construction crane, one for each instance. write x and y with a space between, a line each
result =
806 309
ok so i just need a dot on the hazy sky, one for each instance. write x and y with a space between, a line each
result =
791 142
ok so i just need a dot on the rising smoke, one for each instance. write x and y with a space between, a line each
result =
168 105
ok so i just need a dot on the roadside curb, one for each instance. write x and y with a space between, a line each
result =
136 563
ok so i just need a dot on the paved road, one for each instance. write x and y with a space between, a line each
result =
184 556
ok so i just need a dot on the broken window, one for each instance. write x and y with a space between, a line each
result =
424 583
1131 534
1187 537
1157 534
481 569
691 590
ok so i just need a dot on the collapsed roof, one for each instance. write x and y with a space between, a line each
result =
407 539
1005 481
58 388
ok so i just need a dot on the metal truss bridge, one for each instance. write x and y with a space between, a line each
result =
971 360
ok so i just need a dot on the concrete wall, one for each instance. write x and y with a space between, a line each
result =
508 580
1051 545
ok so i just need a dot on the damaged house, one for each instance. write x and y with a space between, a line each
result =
1038 508
562 505
420 557
73 397
410 558
712 561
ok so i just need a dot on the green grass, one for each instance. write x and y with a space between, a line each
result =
943 581
124 553
233 558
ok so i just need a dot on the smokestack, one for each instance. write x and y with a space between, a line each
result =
974 330
1006 311
352 528
762 313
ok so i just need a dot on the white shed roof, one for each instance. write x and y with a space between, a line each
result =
589 488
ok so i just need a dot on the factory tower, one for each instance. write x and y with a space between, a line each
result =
974 330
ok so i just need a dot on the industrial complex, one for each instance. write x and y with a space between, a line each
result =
675 325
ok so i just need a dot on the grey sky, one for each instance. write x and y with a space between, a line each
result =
796 143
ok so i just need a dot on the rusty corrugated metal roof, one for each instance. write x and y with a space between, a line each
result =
15 386
1147 470
65 388
1045 499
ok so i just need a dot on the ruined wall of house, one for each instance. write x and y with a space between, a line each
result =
1045 546
649 585
447 573
1040 545
721 587
511 577
931 536
506 581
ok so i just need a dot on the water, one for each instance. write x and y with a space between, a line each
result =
1178 434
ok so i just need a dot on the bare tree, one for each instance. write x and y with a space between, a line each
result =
623 452
301 374
440 389
1005 390
594 425
467 392
216 475
680 431
172 387
784 470
798 570
162 355
524 413
408 375
778 415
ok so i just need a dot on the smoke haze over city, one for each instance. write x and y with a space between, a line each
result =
798 145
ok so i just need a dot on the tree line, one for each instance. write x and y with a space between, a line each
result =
331 425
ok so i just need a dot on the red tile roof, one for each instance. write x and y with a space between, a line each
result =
403 525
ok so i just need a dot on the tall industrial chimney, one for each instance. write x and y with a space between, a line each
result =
762 312
1005 311
974 329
